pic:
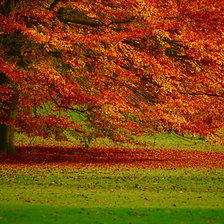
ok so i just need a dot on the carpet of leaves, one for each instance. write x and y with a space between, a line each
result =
157 158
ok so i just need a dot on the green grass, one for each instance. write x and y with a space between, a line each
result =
58 194
158 141
59 215
66 194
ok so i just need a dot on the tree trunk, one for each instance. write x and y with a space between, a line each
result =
7 139
7 131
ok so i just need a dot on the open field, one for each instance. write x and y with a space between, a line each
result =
68 185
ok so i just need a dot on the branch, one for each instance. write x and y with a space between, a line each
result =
147 97
143 78
62 106
131 43
202 94
71 108
70 15
135 90
8 6
54 4
82 22
121 22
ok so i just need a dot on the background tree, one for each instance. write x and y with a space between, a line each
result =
127 67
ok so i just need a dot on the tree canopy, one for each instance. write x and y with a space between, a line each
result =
128 67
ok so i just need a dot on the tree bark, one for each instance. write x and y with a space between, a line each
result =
7 134
7 139
7 131
3 138
8 6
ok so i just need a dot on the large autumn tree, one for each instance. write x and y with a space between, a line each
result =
128 67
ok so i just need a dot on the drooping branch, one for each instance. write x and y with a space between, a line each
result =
202 94
62 106
81 22
145 96
69 15
54 4
121 21
143 78
137 91
70 108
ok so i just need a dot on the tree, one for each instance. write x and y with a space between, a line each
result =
128 67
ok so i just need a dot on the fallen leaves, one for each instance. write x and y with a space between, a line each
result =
159 158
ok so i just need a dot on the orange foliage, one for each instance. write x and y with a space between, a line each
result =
127 66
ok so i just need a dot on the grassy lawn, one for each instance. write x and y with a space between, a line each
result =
54 193
158 141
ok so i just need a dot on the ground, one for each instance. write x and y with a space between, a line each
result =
43 185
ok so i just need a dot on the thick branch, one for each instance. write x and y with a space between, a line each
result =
54 4
69 15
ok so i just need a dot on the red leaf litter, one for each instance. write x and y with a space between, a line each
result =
157 158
